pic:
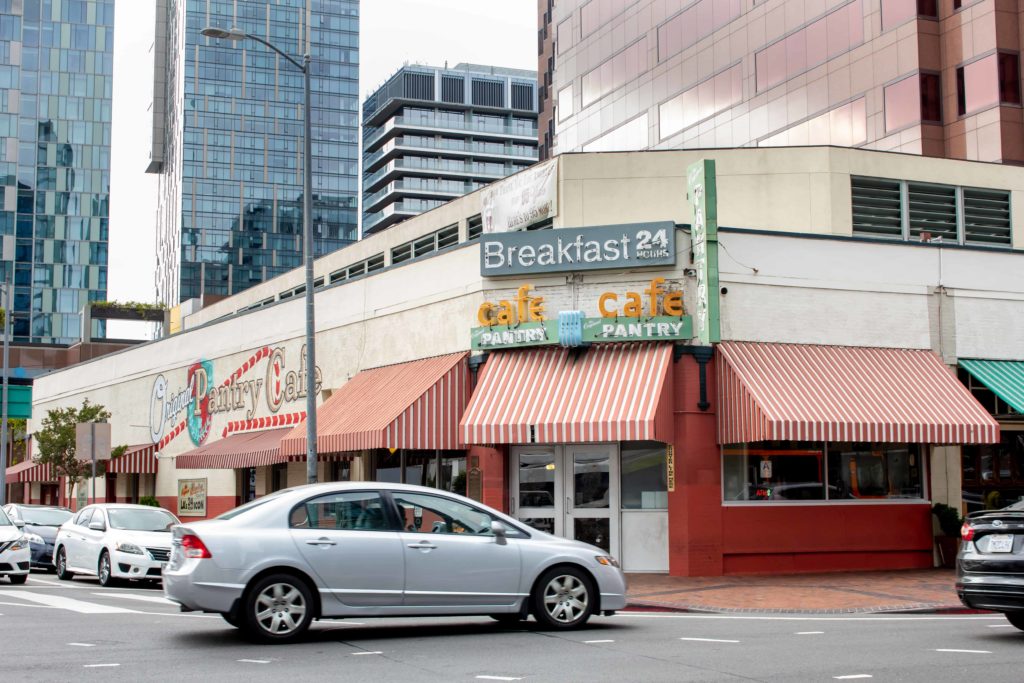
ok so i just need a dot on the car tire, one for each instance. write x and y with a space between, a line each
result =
508 619
231 618
105 571
563 598
269 608
18 579
61 567
1016 618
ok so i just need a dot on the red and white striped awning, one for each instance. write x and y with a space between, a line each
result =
792 392
415 405
612 392
249 449
139 459
29 471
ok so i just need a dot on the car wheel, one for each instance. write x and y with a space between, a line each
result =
277 609
1016 618
230 618
62 566
564 598
104 572
18 579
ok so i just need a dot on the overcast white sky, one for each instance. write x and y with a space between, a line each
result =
393 32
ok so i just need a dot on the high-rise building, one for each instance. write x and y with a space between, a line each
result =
432 134
917 76
56 70
227 140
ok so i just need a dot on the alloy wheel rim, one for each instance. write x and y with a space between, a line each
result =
566 598
60 561
280 608
104 569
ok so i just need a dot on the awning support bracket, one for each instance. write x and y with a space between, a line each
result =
701 354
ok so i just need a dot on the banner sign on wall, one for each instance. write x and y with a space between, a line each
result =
703 197
522 199
192 498
632 245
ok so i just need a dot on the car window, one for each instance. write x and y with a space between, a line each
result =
83 517
352 511
434 514
1019 505
46 516
131 519
98 518
251 505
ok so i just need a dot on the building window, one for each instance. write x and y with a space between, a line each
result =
1009 78
474 227
987 82
644 473
777 471
565 102
903 100
931 98
896 12
445 470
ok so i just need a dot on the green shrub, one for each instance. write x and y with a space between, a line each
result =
149 500
949 519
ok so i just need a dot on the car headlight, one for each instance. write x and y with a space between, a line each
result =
607 560
35 538
130 548
19 543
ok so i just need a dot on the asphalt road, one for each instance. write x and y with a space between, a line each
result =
58 631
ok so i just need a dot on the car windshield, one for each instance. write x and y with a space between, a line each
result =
141 520
251 505
4 520
45 516
1019 505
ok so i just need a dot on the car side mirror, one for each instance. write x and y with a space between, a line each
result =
97 526
18 523
500 532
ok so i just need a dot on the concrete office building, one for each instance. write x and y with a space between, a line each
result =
227 141
56 68
931 77
432 134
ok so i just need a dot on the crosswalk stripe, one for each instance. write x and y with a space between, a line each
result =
144 598
61 602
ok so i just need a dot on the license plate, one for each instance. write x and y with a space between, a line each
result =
1000 543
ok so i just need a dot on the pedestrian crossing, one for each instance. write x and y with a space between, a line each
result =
61 602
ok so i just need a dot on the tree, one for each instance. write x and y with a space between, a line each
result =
56 440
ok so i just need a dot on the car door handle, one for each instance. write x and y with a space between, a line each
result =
320 541
422 545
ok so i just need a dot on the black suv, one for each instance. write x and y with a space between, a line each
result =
990 564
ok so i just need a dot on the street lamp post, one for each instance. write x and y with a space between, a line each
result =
236 34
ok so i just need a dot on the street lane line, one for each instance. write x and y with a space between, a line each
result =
710 640
499 678
1001 626
83 644
598 641
61 602
255 661
97 666
743 617
809 633
368 653
852 676
144 598
969 652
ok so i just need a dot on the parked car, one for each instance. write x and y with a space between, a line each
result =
990 563
41 525
114 541
371 549
14 552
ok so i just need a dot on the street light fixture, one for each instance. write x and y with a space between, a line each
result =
236 34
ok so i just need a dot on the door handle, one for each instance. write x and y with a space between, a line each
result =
568 503
423 545
320 541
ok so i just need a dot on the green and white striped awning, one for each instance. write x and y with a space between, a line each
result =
1004 377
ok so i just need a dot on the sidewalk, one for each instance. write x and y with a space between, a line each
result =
925 590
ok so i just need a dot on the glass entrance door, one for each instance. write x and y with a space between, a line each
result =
570 491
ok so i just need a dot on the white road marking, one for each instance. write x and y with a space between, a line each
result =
852 676
97 666
499 678
23 604
368 653
650 615
1001 626
809 633
969 652
710 640
83 644
255 661
144 598
598 641
61 602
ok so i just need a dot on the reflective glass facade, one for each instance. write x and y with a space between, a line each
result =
229 146
56 66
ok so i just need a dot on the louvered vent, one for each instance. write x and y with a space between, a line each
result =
453 89
932 210
876 207
522 96
474 227
419 86
488 93
987 217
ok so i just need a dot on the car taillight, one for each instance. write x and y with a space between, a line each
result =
967 532
194 547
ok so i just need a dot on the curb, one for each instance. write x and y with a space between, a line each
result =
645 606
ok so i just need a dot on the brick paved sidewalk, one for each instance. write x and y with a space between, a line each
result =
928 590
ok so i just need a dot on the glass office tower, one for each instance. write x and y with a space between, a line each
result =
227 140
56 69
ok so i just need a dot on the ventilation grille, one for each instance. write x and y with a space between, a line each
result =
419 86
474 227
522 96
488 93
876 207
987 217
932 210
453 89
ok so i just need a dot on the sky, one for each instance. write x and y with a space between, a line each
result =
392 33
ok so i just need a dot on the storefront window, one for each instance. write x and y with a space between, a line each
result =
278 477
445 470
644 476
787 471
993 474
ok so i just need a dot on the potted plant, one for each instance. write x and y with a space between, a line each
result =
949 539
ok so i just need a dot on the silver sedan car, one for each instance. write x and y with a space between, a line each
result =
367 549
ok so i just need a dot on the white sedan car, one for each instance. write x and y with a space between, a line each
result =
14 551
114 541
